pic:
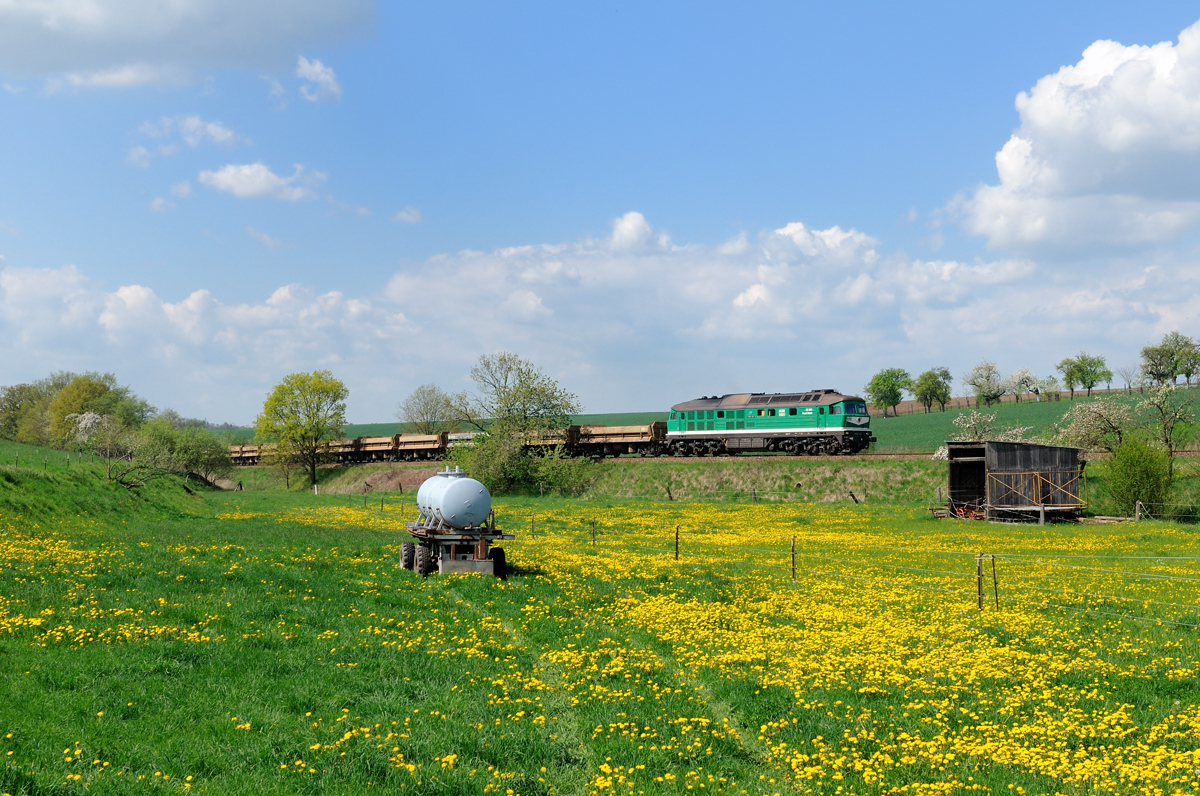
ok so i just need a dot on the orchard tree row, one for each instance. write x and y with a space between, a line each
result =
1176 356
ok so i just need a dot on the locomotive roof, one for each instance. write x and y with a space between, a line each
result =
756 399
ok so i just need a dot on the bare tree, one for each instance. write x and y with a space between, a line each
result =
1129 374
427 410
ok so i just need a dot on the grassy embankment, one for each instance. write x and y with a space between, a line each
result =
265 642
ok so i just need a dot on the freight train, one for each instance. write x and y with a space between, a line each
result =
811 423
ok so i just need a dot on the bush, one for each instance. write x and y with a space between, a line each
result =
1139 471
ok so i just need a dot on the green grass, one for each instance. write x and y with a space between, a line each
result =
159 640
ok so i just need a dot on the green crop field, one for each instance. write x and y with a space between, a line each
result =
266 642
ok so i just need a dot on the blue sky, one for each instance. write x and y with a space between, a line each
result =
650 203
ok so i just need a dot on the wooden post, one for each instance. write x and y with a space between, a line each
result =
793 559
541 490
939 496
532 527
979 578
669 495
593 531
995 583
676 542
1041 515
754 495
1137 511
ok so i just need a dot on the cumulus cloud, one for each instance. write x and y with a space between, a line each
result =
631 231
409 215
192 130
1107 153
123 43
627 328
255 180
263 238
320 81
139 157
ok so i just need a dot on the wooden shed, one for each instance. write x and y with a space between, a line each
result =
1014 481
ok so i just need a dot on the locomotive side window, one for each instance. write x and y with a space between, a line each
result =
792 411
720 414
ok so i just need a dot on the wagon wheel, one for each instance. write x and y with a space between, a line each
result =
424 561
407 553
499 565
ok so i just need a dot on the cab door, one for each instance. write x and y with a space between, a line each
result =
821 417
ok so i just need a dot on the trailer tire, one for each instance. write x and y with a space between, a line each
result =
499 565
424 561
408 552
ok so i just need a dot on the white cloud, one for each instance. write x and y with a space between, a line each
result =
321 81
138 156
632 328
357 210
121 43
255 180
159 204
631 231
182 189
263 238
409 215
11 89
192 130
1108 153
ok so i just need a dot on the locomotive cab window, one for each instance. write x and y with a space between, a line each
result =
835 410
792 411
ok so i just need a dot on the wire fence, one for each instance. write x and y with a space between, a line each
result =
985 581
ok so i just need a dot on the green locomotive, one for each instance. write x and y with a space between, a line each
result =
816 422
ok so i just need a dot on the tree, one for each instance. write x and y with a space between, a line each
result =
887 387
1141 472
933 387
200 452
1129 375
1069 369
1091 370
514 392
75 398
984 380
428 410
1167 412
1103 423
1020 382
303 413
1049 388
1158 364
976 426
514 403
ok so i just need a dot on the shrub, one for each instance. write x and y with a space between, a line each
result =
1139 471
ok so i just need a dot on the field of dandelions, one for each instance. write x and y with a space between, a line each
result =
270 644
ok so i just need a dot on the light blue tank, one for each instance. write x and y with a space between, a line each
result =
454 499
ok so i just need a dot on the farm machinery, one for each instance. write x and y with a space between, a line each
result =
456 529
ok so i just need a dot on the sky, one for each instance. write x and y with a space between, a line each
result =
651 202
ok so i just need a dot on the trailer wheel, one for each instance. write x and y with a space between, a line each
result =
424 561
499 565
408 552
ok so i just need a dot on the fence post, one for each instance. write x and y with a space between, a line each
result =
793 559
754 494
532 527
995 583
979 578
1137 511
1041 515
676 542
314 489
593 531
541 490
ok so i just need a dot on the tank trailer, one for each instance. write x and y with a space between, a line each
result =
455 530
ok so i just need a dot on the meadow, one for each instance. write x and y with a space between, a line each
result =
267 642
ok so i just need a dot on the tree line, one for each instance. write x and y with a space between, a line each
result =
92 414
1176 356
512 403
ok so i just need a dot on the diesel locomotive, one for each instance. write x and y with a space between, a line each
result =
810 423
